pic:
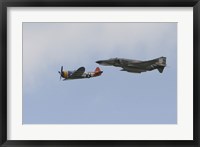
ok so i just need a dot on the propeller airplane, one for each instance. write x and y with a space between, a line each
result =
79 73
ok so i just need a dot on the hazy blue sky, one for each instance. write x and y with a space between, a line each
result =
116 97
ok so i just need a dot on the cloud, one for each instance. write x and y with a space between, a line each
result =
48 44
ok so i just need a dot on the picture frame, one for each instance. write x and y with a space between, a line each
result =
195 4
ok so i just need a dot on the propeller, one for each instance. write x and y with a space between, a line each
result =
61 72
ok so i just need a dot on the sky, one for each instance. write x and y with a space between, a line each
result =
115 97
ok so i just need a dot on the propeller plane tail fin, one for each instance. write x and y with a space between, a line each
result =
98 71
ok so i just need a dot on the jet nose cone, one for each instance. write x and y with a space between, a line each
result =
104 62
99 62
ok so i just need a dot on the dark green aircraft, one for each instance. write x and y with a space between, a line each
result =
135 66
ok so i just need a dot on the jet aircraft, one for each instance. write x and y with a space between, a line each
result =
79 73
135 66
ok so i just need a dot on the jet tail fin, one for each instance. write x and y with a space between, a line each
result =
162 60
161 63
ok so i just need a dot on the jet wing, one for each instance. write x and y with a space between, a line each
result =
158 63
144 64
78 73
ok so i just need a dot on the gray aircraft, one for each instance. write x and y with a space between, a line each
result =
135 66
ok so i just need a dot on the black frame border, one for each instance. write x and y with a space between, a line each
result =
98 3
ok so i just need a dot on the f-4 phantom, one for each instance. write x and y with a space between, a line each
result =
135 66
79 73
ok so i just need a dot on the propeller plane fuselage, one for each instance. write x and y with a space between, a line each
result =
79 73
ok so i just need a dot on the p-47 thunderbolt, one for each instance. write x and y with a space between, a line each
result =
79 73
135 66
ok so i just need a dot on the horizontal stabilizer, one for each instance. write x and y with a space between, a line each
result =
160 69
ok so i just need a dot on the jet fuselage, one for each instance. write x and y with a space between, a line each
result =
135 66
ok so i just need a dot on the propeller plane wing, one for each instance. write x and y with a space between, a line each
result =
79 72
